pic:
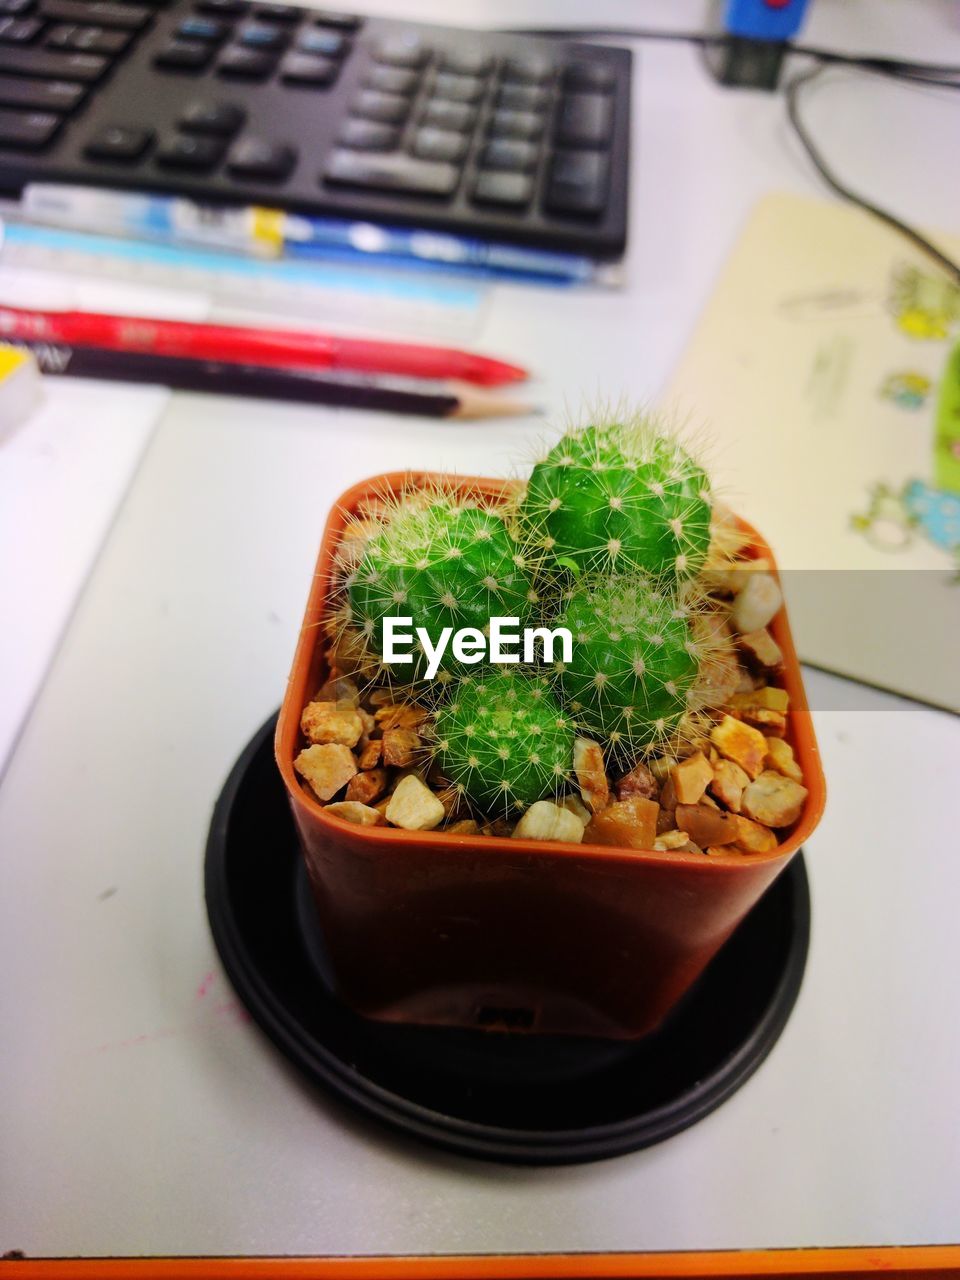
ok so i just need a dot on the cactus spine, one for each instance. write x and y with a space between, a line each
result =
503 741
618 497
445 565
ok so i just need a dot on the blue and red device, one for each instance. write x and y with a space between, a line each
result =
756 33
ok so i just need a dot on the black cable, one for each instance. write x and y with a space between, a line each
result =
616 33
875 61
934 74
869 61
936 82
926 246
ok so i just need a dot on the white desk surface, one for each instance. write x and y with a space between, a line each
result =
140 1112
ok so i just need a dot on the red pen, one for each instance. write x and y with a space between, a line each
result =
277 348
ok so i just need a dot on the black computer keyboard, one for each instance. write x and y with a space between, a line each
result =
226 101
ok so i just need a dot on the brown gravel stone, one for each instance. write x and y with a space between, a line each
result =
630 824
331 722
326 768
354 811
591 774
638 782
774 800
367 787
740 743
706 826
400 747
690 778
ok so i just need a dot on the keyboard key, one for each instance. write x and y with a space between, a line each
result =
47 95
597 76
402 51
16 6
224 8
119 143
87 39
257 35
508 154
515 124
27 131
52 65
342 21
465 62
388 108
208 29
327 44
513 189
18 30
438 144
261 160
305 69
368 135
456 116
99 13
457 88
526 71
278 13
585 120
393 172
221 118
246 64
577 182
184 151
522 97
183 55
392 79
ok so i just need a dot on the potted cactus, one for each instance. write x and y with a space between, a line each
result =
545 743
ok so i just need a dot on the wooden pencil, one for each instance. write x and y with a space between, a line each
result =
299 385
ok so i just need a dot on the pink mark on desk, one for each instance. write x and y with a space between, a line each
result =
223 1012
131 1041
232 1011
206 983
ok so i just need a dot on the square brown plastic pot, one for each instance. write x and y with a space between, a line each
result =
481 931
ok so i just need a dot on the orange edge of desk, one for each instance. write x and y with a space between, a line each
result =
925 1260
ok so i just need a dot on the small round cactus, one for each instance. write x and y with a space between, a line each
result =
503 741
638 659
443 564
618 497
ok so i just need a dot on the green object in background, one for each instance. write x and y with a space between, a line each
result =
946 447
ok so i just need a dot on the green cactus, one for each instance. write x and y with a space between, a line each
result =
503 741
638 658
618 497
443 564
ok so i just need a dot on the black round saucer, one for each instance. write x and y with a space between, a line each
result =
525 1099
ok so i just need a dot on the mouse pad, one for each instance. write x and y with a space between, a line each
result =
825 376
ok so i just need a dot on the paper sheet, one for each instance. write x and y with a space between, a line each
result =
816 372
63 475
